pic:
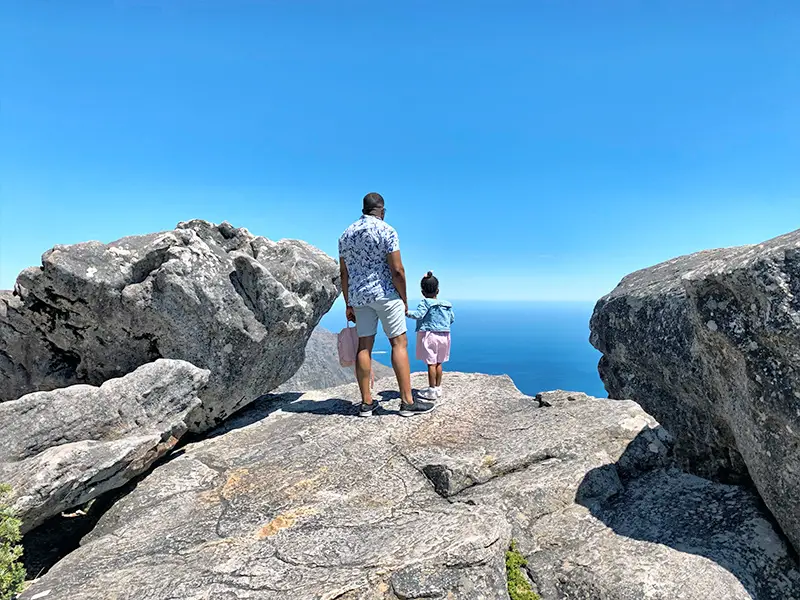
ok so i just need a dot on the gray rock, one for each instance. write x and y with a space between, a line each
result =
665 535
62 448
321 369
216 296
710 345
298 498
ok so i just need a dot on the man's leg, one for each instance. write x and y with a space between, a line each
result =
432 375
393 316
401 366
366 328
364 367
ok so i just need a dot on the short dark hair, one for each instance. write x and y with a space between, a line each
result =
429 285
372 203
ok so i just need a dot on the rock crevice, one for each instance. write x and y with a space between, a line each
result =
63 448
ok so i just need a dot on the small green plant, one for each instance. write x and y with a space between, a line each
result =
519 588
12 574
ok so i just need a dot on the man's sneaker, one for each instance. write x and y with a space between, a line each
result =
415 408
367 410
428 393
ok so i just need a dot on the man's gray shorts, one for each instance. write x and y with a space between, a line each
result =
392 314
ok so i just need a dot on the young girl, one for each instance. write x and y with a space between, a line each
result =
434 318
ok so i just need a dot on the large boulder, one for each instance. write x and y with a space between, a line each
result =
665 534
216 296
62 448
321 368
710 345
298 498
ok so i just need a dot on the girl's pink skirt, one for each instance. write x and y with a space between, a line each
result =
433 347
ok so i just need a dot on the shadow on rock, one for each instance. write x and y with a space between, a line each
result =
263 407
331 406
388 395
726 524
293 402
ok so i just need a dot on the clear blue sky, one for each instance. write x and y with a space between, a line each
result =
527 150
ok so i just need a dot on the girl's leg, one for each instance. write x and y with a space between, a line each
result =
438 375
432 375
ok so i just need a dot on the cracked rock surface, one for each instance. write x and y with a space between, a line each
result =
710 345
239 305
62 448
297 497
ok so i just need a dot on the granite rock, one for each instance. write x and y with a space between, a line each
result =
297 497
709 344
63 448
239 305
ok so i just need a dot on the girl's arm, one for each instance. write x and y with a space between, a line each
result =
420 313
452 316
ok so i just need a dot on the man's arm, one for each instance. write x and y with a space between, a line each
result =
350 313
398 275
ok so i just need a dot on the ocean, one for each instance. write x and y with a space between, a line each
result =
540 345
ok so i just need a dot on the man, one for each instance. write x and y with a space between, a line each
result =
374 287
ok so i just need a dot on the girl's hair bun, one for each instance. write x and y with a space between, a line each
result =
429 285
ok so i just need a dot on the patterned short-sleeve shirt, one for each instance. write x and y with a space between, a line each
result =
364 246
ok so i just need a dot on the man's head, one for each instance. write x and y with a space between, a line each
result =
373 205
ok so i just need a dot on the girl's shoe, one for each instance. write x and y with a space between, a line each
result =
428 393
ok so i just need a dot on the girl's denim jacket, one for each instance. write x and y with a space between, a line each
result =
433 315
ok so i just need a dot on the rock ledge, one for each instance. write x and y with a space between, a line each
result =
298 498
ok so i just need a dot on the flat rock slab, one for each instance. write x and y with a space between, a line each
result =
299 498
239 305
710 345
61 449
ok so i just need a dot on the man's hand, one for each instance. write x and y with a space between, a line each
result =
351 314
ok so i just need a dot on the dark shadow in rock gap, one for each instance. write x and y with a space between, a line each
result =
720 522
59 536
